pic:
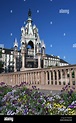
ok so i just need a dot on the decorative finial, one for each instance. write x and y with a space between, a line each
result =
29 13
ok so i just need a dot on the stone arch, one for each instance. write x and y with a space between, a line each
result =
30 45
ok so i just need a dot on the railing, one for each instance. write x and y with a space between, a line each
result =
46 78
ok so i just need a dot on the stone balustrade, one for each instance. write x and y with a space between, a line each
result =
53 78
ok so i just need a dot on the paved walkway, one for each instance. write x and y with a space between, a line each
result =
49 92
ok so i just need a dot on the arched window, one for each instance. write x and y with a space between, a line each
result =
30 45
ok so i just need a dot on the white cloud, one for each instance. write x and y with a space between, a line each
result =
11 34
38 11
51 22
51 45
74 45
64 57
64 34
11 11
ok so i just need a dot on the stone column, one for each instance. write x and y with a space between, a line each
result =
50 77
31 78
23 61
46 78
42 77
15 64
39 60
61 76
53 78
38 78
34 48
70 77
23 57
18 79
15 55
57 77
65 77
26 77
13 77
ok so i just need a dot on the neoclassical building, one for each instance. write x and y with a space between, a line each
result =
31 53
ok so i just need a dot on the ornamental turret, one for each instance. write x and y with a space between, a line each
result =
43 48
15 54
15 45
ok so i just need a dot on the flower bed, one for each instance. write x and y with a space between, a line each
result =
19 100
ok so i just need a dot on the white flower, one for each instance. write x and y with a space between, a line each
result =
4 99
57 97
65 110
50 99
13 113
13 90
74 102
9 112
9 93
49 106
17 111
61 109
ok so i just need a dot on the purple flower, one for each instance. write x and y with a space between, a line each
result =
71 106
2 83
25 111
66 86
0 92
61 101
73 87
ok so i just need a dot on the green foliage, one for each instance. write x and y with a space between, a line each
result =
68 94
23 101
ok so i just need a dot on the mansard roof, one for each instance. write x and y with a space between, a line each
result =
7 51
51 56
62 61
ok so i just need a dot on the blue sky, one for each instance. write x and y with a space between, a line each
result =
58 30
